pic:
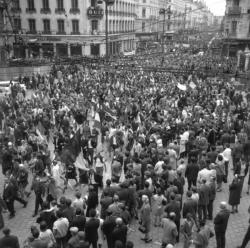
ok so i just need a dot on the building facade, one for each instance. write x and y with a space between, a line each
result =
148 19
236 27
65 28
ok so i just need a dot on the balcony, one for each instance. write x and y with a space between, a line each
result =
46 32
30 11
60 11
16 10
232 34
236 10
45 11
74 11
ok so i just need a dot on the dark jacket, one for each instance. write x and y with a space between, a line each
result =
120 233
174 206
9 192
91 229
69 213
108 226
189 206
48 216
192 171
204 194
221 220
9 241
79 221
234 192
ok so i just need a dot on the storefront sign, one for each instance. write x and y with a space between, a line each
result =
95 13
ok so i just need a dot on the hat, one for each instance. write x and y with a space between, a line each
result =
223 205
9 143
73 229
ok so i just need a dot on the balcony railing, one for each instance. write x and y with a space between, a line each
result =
31 32
46 32
61 32
30 11
74 11
45 11
75 33
236 10
60 11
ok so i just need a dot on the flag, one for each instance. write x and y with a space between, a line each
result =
97 121
109 112
182 87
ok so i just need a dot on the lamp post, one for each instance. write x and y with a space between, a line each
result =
107 3
164 12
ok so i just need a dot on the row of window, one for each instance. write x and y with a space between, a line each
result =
119 5
114 26
45 4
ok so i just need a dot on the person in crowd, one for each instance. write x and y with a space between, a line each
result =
60 229
203 202
91 228
212 195
192 172
74 240
145 218
46 235
186 229
170 232
234 194
79 220
220 225
9 240
37 242
120 232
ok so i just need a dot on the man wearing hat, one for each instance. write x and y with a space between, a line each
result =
220 225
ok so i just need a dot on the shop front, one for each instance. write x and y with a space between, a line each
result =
33 50
76 50
61 50
95 49
48 51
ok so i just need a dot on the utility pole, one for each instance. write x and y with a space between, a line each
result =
163 12
107 3
106 32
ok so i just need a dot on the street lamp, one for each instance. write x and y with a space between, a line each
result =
107 3
163 12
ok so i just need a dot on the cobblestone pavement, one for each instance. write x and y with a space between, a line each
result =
20 225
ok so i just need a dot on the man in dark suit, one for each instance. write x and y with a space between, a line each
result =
92 201
204 192
105 201
8 240
69 211
119 232
79 220
9 196
189 206
174 206
91 228
108 227
220 225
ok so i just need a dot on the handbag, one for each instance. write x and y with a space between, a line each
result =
142 229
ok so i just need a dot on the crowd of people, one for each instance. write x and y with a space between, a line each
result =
136 139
